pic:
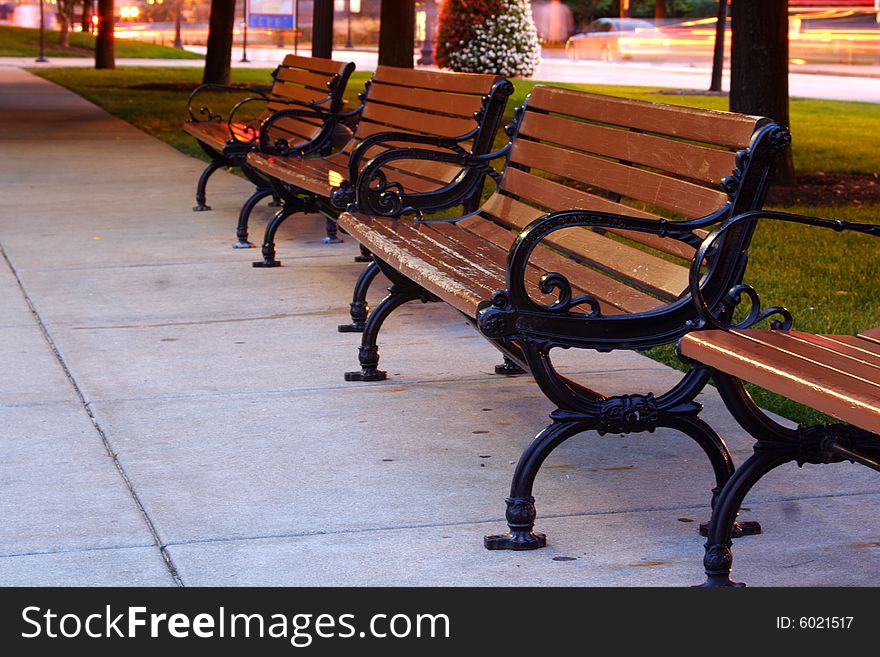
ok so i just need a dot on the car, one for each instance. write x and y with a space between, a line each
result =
610 39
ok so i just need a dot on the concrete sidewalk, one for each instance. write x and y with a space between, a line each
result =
171 415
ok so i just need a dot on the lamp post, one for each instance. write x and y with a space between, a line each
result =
427 51
244 32
42 57
348 34
178 42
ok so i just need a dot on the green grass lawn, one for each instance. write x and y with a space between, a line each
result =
828 281
25 42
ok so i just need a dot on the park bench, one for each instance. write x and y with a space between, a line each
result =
450 112
838 375
314 85
573 250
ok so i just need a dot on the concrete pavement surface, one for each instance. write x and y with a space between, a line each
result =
172 416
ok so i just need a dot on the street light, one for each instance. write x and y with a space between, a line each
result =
348 35
42 57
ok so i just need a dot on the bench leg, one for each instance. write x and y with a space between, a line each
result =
718 558
719 457
365 255
509 368
201 197
359 306
521 510
332 232
269 239
368 353
241 231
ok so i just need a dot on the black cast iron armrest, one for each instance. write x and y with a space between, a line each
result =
715 315
281 147
450 143
252 130
498 318
206 111
373 193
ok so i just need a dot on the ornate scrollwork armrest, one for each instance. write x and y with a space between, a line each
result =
373 193
498 318
716 315
206 112
282 147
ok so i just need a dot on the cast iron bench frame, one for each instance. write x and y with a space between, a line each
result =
525 330
837 375
464 189
242 135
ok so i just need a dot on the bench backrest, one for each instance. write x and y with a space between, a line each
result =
428 103
307 80
575 150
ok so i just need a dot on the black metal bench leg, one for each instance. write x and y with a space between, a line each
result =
368 353
275 202
718 558
722 464
365 256
509 368
332 232
521 510
269 239
359 307
201 197
241 231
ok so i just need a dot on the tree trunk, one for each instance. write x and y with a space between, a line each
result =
64 27
322 29
105 50
759 66
718 56
660 9
397 33
86 19
218 59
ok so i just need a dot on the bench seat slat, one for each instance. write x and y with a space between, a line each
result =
850 345
679 196
749 355
708 165
871 334
216 133
710 127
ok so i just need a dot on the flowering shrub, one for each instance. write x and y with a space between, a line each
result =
488 36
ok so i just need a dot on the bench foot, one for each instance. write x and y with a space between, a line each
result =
367 374
244 245
509 368
201 195
201 208
365 255
266 264
515 541
354 327
359 307
332 232
332 239
241 230
269 239
520 514
720 581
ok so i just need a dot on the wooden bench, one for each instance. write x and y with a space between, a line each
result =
314 85
450 112
586 243
838 375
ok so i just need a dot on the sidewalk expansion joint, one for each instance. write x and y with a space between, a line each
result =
172 569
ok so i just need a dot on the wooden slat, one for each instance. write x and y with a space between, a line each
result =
315 64
871 334
303 95
305 78
614 296
647 271
748 356
867 350
462 83
708 165
426 100
422 122
667 192
707 126
554 197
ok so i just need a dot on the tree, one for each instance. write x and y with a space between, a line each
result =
105 50
718 51
397 33
65 20
759 66
498 37
218 58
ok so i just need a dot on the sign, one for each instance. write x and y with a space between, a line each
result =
271 14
